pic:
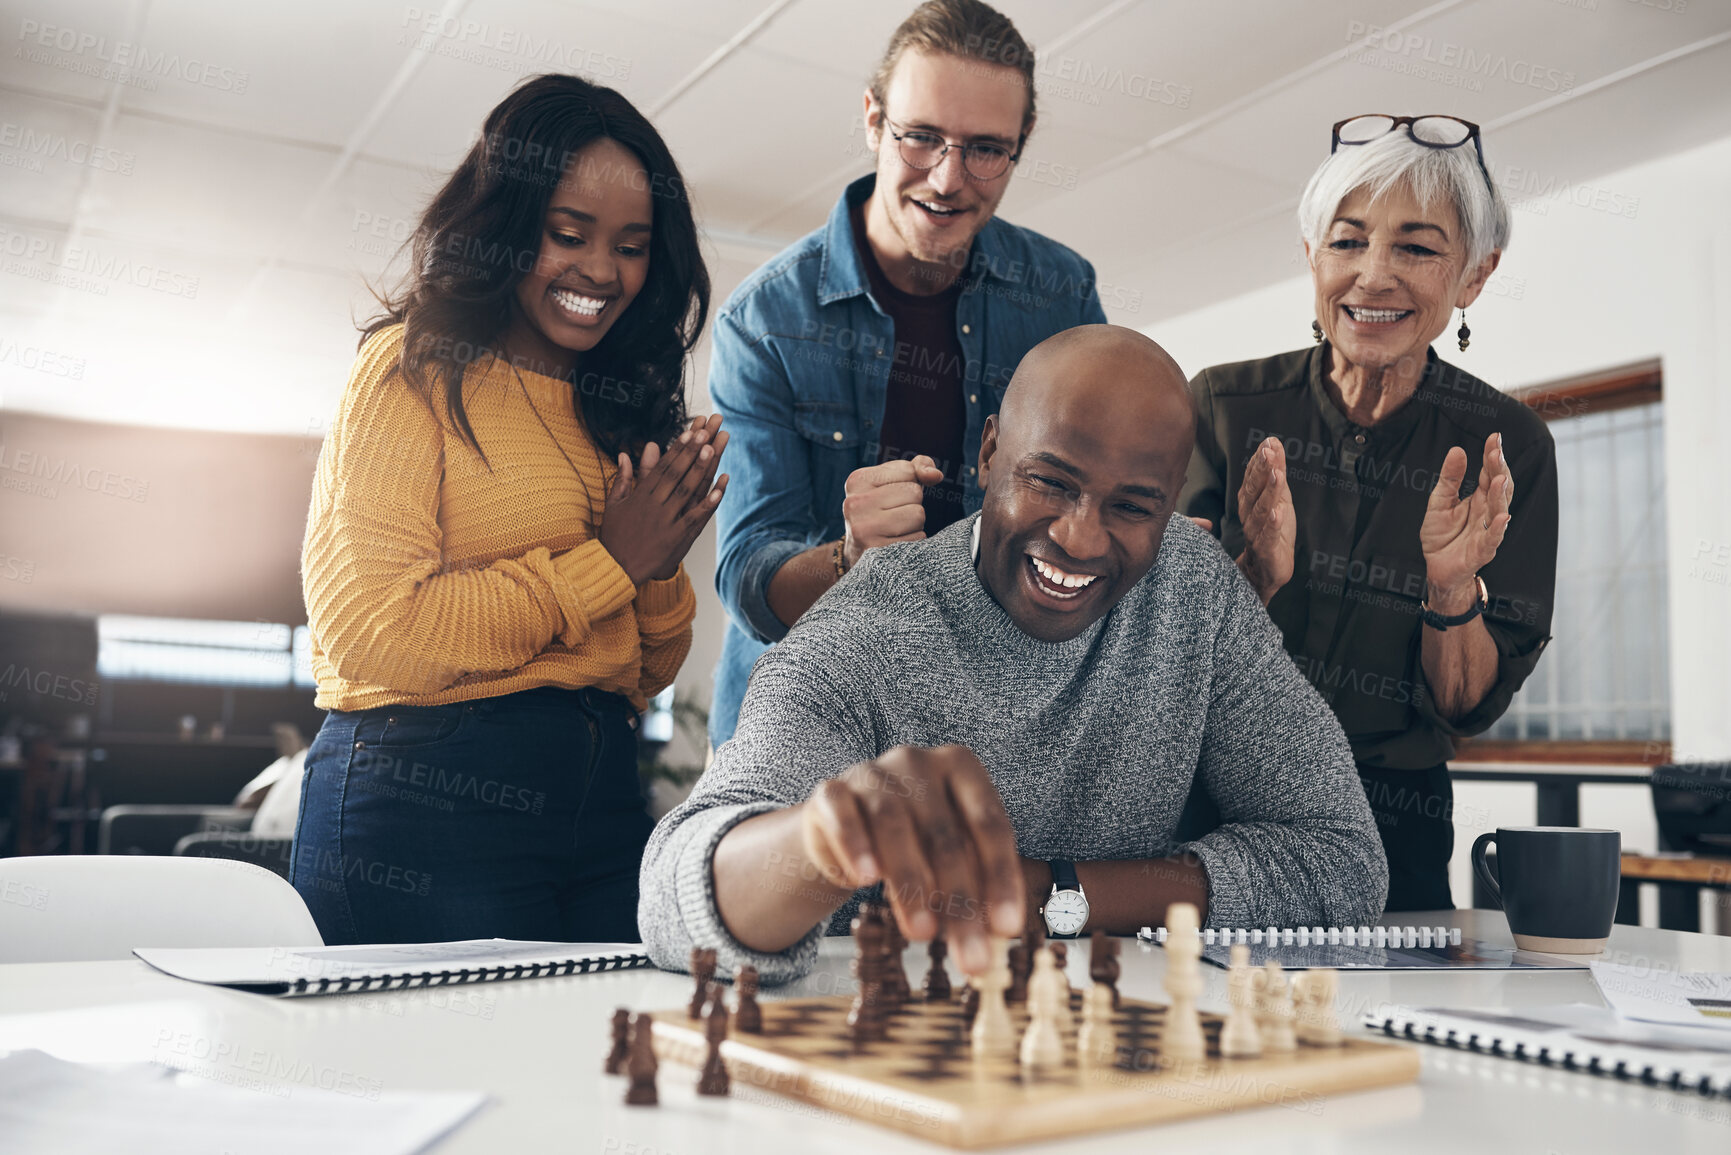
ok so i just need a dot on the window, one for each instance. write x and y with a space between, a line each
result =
194 650
1605 676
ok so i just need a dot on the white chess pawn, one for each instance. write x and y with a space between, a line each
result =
1181 1038
1097 1041
1317 1023
993 1035
1239 1038
1275 1012
1043 1042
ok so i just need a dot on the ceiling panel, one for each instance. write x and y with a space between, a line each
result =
48 149
70 47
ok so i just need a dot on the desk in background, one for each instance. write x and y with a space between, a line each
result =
536 1047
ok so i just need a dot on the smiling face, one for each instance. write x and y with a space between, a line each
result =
931 216
593 259
1082 469
1388 275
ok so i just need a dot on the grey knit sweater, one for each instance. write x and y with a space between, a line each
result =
1093 743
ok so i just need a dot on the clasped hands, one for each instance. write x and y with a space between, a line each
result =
656 509
1459 535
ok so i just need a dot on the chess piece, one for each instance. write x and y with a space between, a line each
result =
1103 963
970 1005
1317 1023
621 1042
641 1064
865 1019
1021 963
896 985
1181 1040
992 1033
702 973
1060 981
936 986
1097 1041
748 1015
1275 1015
714 1080
1043 1041
1239 1038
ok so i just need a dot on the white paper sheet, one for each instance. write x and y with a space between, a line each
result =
52 1107
1656 995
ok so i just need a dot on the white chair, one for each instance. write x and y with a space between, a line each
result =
79 908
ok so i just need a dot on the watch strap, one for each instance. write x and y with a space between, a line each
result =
1064 875
1438 621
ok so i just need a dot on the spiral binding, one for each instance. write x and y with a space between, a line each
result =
359 984
1375 936
1570 1054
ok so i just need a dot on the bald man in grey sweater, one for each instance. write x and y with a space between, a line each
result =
971 719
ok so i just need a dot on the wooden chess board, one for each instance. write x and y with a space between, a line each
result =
925 1081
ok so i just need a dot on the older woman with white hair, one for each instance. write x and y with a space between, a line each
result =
1397 515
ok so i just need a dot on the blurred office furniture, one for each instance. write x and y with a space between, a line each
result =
258 827
79 908
1692 802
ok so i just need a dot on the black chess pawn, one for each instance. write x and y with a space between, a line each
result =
702 972
1103 964
621 1042
1021 966
937 981
748 1015
641 1065
714 1080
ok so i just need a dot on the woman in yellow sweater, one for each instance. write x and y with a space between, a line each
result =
492 557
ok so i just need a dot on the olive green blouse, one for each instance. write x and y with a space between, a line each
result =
1350 614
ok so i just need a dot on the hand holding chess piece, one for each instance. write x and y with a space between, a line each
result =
1274 1013
928 823
1239 1037
1182 1039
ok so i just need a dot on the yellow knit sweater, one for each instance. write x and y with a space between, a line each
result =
430 578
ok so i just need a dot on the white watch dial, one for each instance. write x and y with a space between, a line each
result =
1066 912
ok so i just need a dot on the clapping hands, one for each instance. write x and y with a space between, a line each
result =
656 509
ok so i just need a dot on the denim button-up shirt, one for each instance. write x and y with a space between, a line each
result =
800 360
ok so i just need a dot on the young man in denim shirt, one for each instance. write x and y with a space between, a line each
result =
857 368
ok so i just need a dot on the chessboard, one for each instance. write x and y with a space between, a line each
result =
925 1081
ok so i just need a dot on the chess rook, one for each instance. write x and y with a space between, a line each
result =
1240 1038
621 1047
641 1064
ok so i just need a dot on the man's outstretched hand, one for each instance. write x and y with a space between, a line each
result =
928 823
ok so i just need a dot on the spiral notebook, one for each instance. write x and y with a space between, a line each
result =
293 971
1574 1038
1389 948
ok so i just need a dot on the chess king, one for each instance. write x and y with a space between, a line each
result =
1021 703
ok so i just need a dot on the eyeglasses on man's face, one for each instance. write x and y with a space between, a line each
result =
982 160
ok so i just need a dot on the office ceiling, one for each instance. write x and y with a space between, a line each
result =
190 246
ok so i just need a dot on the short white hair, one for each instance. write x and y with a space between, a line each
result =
1433 174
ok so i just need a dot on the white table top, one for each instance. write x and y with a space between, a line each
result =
536 1046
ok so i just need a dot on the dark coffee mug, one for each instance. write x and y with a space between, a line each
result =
1558 885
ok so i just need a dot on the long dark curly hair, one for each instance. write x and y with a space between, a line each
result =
482 232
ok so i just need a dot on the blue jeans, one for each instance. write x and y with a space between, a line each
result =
519 816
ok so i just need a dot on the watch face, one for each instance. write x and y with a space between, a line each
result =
1066 912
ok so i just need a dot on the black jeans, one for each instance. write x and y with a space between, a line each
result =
519 816
1414 811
